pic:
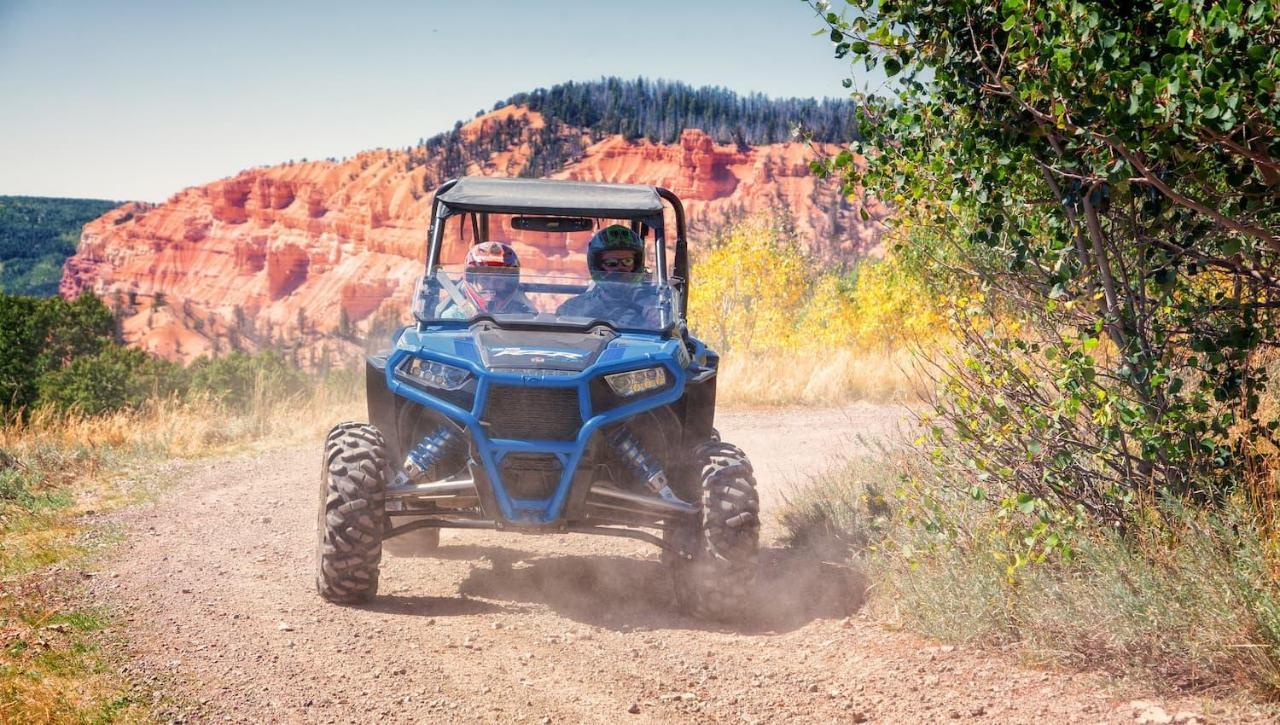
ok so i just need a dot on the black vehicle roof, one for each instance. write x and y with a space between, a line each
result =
551 196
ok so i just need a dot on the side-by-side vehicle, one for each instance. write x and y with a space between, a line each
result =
586 408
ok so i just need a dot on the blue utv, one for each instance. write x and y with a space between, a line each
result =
585 406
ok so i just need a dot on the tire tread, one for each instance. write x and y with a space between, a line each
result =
716 584
352 496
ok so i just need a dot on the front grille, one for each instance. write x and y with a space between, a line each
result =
532 413
530 475
537 372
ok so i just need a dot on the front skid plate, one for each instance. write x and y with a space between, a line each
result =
559 528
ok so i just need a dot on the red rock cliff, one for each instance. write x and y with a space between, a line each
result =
309 253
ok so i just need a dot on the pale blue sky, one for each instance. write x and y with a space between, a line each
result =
138 99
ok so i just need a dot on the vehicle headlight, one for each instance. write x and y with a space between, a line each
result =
637 381
434 374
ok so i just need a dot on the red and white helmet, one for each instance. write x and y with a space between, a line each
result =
492 275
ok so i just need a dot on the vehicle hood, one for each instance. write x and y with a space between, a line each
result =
501 349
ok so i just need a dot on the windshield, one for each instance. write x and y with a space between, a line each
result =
540 249
574 300
544 270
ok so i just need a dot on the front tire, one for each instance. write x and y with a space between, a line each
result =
352 492
725 543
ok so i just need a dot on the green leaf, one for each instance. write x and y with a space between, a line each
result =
1062 59
1026 503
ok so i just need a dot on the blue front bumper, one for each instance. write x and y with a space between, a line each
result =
490 451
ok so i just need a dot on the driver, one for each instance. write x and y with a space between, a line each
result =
615 258
491 284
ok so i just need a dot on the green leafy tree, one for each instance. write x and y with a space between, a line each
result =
238 379
1102 182
20 344
42 335
73 329
111 379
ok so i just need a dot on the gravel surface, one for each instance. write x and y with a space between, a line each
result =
214 583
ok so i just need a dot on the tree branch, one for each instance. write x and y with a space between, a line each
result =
1266 236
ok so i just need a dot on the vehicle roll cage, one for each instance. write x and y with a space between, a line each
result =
641 205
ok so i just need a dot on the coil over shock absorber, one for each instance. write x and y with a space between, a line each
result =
426 454
629 448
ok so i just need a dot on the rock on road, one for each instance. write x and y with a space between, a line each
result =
214 586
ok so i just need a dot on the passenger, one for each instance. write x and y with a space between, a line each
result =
491 284
615 259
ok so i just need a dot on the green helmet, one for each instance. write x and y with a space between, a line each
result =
612 238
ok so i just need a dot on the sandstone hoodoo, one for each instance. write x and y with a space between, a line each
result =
318 253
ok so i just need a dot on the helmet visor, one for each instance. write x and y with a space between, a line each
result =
492 283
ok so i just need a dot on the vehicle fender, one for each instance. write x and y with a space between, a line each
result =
382 403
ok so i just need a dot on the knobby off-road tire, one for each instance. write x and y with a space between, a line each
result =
716 583
352 491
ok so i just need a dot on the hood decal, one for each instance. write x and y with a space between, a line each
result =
522 352
530 349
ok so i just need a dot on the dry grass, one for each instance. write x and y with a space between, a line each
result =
54 470
816 378
843 511
56 660
1187 604
1188 601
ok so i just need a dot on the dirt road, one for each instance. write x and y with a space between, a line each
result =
215 584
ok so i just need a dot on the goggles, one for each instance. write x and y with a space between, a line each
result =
618 263
500 281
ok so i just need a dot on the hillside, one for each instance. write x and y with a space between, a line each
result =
305 253
37 234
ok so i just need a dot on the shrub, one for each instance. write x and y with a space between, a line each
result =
239 379
114 378
843 512
60 355
1186 598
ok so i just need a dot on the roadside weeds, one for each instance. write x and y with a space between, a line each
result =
59 653
1187 605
